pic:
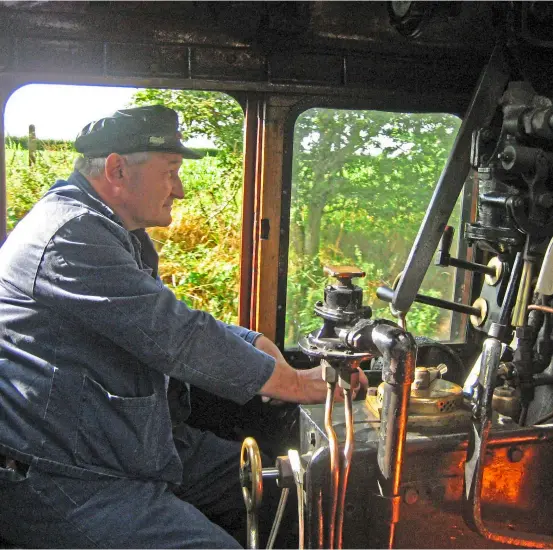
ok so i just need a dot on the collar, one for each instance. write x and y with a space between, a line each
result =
148 252
79 181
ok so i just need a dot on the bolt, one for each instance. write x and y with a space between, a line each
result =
515 454
411 495
506 156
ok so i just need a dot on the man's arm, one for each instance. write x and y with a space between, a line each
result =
299 386
88 274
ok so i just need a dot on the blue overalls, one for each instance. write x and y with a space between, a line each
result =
88 342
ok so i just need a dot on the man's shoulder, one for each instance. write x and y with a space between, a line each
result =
55 210
63 212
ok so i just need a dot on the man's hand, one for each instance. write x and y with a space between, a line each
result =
300 386
316 388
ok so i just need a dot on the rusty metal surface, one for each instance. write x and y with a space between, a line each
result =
514 497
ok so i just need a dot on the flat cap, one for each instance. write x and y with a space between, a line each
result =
147 128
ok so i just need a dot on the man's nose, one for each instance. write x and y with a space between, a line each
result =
178 190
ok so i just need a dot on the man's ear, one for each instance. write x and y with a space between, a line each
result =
116 171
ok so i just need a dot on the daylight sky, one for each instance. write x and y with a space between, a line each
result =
60 112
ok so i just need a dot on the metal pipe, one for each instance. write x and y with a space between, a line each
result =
545 309
278 518
398 348
523 296
346 463
270 473
334 461
297 470
387 294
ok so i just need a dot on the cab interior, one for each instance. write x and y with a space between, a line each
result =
291 66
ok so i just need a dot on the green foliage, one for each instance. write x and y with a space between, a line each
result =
25 184
14 142
361 183
200 251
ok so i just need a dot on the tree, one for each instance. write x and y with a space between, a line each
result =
361 184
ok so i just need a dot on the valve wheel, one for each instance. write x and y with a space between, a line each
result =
251 475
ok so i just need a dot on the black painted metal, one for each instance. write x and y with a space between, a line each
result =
483 106
387 294
267 45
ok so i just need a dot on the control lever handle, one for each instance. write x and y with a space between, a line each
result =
444 259
385 293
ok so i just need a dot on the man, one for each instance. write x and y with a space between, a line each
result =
89 340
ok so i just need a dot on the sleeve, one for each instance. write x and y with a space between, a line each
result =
245 333
88 273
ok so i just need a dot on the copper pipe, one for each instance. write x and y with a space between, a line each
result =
320 516
545 309
346 464
334 461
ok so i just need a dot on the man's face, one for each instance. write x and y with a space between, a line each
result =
151 189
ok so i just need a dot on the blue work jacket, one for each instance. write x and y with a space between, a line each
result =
89 339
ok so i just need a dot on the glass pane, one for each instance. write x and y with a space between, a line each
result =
361 183
200 250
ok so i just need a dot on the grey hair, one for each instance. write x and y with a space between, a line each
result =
93 167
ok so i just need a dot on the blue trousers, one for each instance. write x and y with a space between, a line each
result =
45 510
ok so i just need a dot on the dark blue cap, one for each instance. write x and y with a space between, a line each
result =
148 128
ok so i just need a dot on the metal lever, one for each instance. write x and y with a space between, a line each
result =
387 294
483 105
297 469
444 259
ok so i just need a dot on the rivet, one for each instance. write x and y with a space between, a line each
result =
515 454
411 495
